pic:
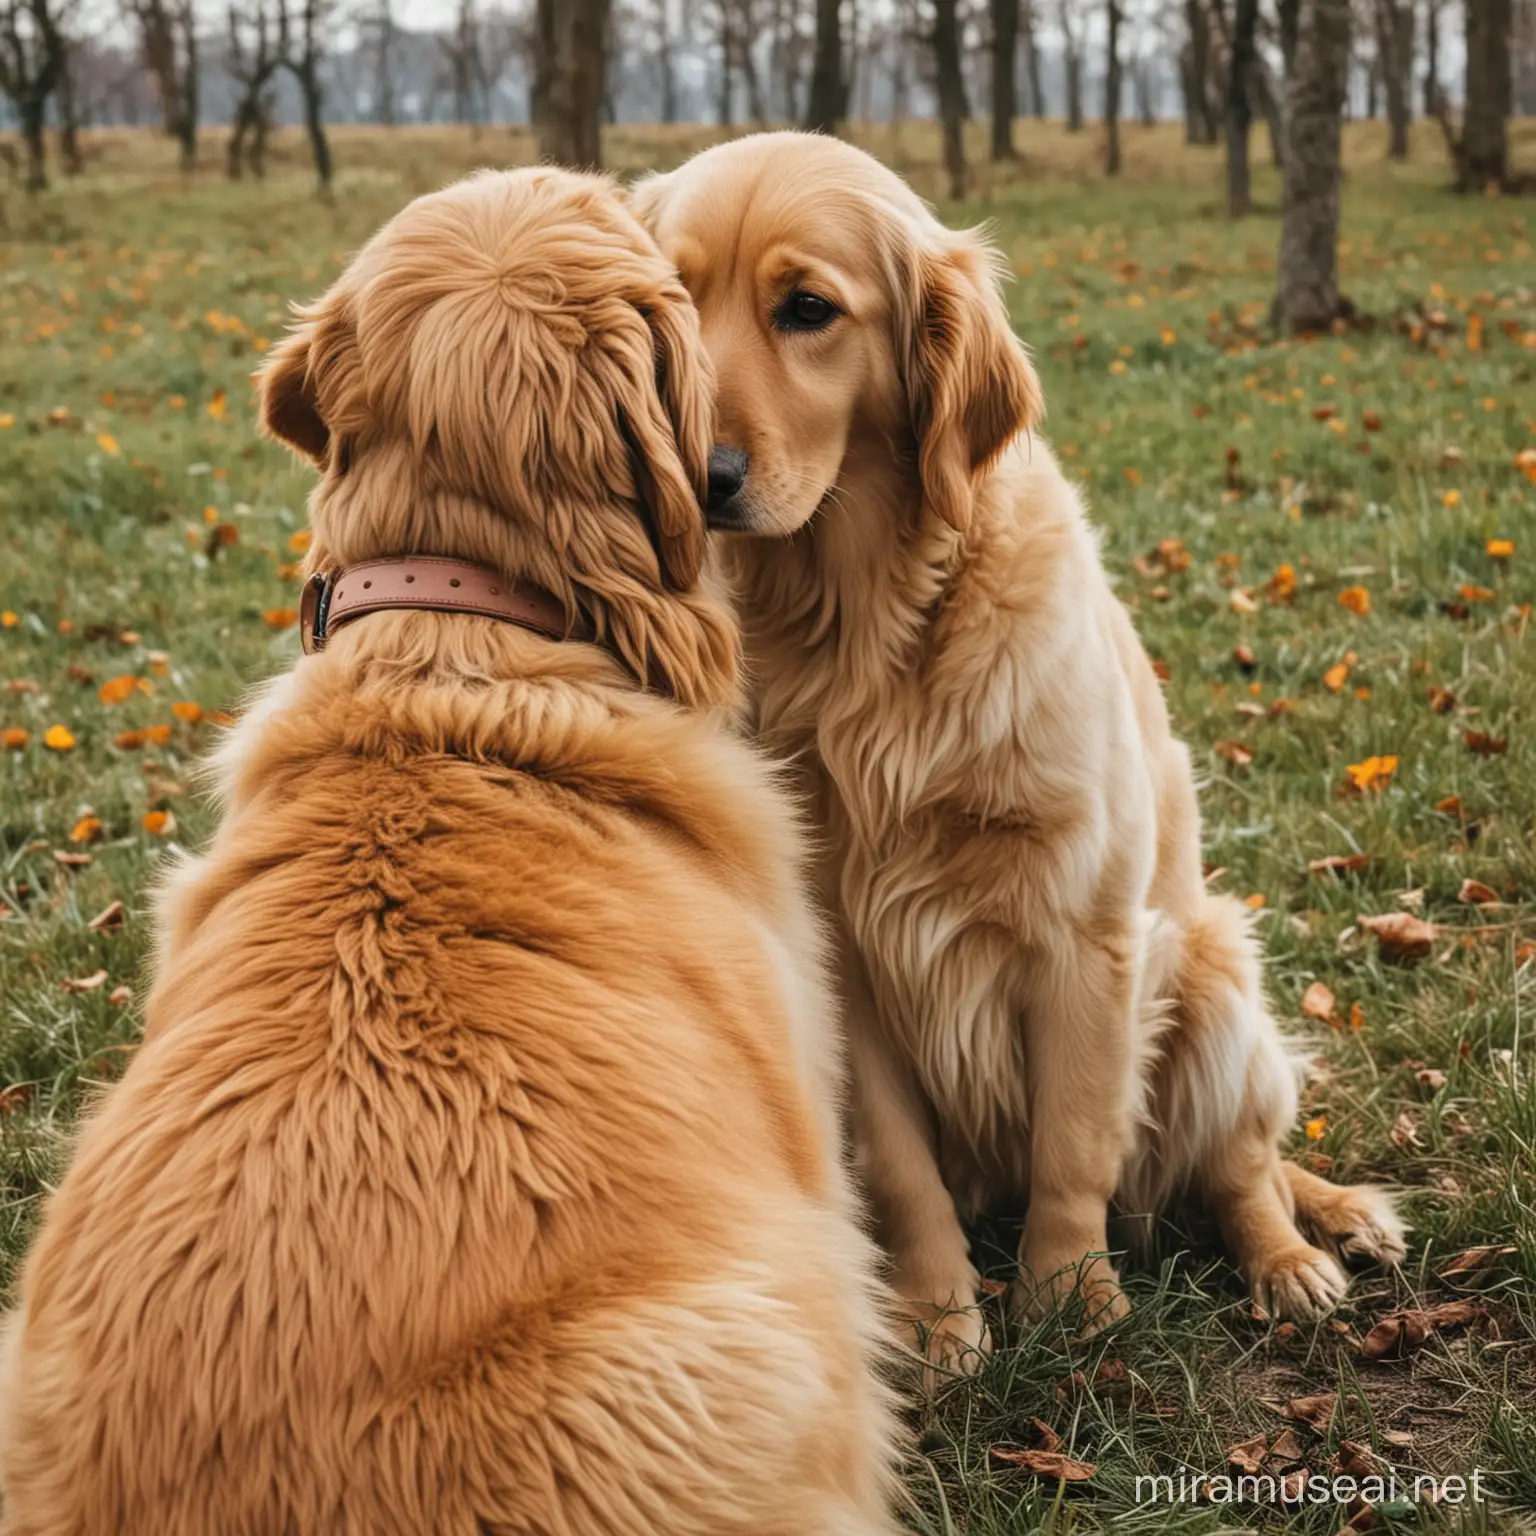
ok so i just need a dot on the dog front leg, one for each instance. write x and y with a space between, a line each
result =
1081 1063
915 1214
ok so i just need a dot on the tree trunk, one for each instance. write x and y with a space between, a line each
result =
1490 94
234 152
314 126
824 109
1267 98
1307 292
1240 108
1290 20
1032 60
1005 49
69 119
1195 71
951 90
1112 90
1394 47
29 115
572 37
1432 59
723 113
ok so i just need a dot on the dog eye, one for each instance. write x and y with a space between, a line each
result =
802 311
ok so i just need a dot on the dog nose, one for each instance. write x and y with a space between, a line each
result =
727 475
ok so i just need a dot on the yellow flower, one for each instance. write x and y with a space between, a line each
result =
1316 1128
107 443
1117 367
7 421
1501 549
9 620
1451 499
60 738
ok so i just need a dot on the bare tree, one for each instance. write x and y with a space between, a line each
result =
1433 94
1112 88
1241 68
253 54
1031 58
302 56
32 62
378 34
1307 292
168 43
464 57
1005 50
824 110
1394 47
1071 64
572 45
1480 152
1195 75
1289 15
953 108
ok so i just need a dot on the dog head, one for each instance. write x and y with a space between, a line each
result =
509 372
845 323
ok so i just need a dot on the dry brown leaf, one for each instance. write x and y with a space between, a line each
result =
1405 1131
109 919
1401 935
1249 1455
13 1097
85 983
1238 753
1474 893
1403 1332
1355 1460
71 860
1430 1078
1286 1448
1338 863
1441 700
1046 1438
1051 1465
1316 1410
1318 1002
1484 744
120 996
1476 1259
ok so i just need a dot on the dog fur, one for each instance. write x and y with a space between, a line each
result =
1043 1000
479 1170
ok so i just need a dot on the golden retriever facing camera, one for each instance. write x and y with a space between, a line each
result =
478 1172
1043 1001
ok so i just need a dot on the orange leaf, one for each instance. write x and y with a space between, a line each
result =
1051 1465
1401 935
1318 1002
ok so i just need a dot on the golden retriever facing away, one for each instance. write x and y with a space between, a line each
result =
479 1169
1043 1000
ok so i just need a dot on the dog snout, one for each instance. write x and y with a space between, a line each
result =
727 475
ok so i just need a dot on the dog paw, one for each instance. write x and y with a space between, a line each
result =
1094 1282
1299 1284
950 1341
1361 1226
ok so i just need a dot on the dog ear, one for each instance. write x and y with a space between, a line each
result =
970 386
670 433
290 409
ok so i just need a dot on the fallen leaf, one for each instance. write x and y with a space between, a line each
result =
1241 602
71 860
1286 1447
1474 893
1403 1332
1431 1078
1405 1131
87 830
109 919
1046 1438
1244 657
1238 753
1318 1002
1356 1018
1355 1460
1051 1465
1441 700
1485 745
1401 935
85 983
1248 1455
120 996
1338 863
1476 1259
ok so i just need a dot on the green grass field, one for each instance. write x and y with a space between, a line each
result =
1327 544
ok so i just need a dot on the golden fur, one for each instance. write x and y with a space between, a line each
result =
479 1171
1044 1002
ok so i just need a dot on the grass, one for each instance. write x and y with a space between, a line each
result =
147 535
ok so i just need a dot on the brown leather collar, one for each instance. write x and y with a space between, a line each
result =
424 581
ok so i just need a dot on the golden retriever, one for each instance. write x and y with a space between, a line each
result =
1044 1002
479 1170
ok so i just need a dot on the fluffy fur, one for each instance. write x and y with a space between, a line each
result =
479 1169
1044 1002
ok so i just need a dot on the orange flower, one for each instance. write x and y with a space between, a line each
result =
1255 902
280 618
1282 585
1473 594
157 734
15 737
187 711
128 741
1451 499
1336 676
1373 773
107 443
159 823
1357 600
87 830
1501 549
9 620
116 689
1317 1128
60 738
298 543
